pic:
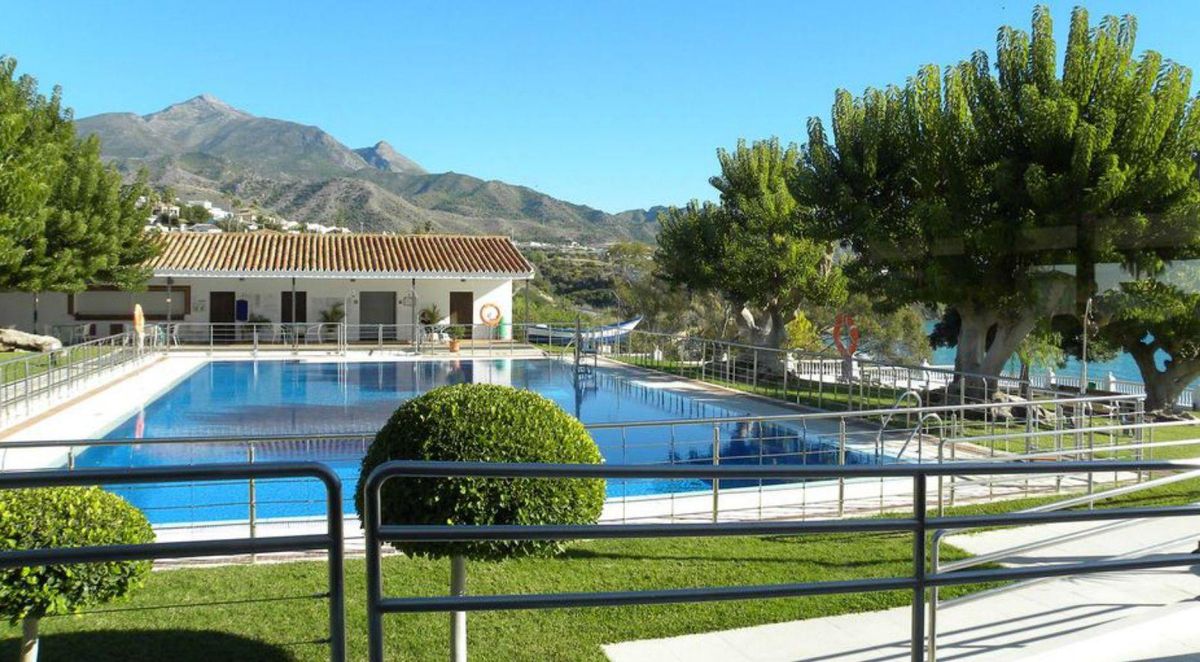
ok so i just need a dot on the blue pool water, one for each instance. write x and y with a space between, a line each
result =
271 398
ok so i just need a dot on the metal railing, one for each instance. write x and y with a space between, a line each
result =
331 541
818 379
1088 500
48 375
801 439
918 524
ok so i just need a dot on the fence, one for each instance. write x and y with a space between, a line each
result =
332 541
811 378
919 525
698 438
25 379
340 337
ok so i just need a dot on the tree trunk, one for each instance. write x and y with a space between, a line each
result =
458 619
987 339
29 639
1164 387
769 330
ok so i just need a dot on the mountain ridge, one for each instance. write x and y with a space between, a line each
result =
205 147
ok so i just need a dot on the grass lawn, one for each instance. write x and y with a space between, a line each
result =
78 356
286 630
836 397
828 396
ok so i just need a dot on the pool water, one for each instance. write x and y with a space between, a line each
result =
273 398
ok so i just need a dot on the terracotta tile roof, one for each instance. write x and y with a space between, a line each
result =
364 255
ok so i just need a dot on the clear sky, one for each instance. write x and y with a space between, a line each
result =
613 103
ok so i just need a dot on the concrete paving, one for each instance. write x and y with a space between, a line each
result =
1125 616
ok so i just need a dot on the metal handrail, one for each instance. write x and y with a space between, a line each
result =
895 409
921 424
767 418
940 536
25 378
332 541
918 525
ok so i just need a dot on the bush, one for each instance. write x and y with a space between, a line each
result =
484 423
67 517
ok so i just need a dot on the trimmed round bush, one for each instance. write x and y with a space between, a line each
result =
484 423
67 517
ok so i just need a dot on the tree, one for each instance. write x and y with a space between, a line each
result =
640 291
66 219
750 247
964 190
195 213
483 423
1042 348
1155 321
66 517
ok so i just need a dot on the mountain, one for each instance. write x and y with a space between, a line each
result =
383 156
206 148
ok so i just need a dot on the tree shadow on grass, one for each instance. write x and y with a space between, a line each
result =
149 645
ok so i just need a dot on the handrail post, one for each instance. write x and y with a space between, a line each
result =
919 573
716 460
842 463
374 571
253 502
935 563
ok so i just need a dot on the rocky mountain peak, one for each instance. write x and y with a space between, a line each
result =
385 157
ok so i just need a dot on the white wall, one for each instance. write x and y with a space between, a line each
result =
262 296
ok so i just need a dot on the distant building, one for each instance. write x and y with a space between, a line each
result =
227 279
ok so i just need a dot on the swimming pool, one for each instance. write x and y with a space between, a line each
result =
273 398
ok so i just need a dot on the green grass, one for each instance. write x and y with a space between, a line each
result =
837 397
12 370
275 631
826 396
285 630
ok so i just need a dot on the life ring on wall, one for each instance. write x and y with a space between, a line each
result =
489 314
845 321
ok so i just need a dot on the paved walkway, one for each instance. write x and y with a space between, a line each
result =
1127 616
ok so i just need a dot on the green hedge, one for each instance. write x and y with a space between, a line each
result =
67 517
484 423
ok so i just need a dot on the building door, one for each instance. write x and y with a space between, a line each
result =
377 315
285 307
461 311
293 324
222 307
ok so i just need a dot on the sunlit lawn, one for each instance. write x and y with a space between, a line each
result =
280 630
286 630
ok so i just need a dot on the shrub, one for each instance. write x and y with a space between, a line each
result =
484 423
66 517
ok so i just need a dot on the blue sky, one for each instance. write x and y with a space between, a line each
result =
616 104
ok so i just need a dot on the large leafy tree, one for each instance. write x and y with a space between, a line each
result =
962 189
66 219
750 246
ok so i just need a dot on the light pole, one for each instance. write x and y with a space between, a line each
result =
1083 368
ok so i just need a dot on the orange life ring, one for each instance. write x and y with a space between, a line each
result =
489 313
847 322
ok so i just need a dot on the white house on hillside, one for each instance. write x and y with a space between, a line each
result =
233 279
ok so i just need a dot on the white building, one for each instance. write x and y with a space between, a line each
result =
234 279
